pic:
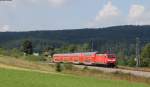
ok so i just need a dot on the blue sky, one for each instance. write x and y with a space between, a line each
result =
26 15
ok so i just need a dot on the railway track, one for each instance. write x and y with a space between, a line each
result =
135 68
138 73
131 71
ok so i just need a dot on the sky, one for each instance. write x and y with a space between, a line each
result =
29 15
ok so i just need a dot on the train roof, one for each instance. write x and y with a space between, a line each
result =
85 53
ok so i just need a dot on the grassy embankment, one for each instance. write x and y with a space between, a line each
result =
11 62
21 73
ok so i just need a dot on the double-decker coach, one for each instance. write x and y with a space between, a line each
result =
87 58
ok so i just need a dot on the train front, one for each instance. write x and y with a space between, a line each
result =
111 60
106 59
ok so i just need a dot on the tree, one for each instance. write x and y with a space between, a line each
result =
27 47
145 55
72 48
49 51
122 58
85 47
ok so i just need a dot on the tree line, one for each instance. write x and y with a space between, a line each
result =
126 57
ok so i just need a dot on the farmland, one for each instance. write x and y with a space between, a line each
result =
18 78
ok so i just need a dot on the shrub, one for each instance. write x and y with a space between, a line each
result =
145 55
34 58
85 68
16 53
145 62
68 66
131 62
58 67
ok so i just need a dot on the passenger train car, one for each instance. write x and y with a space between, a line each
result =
87 58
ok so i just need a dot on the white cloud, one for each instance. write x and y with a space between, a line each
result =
110 15
52 3
107 11
8 3
4 28
136 11
107 16
57 3
138 15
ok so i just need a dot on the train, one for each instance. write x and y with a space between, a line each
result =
86 58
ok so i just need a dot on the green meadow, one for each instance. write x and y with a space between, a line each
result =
20 78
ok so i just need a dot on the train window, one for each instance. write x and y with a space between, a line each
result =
100 54
111 56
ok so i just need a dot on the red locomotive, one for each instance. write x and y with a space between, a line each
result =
87 58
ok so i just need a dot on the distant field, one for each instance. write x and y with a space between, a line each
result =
18 78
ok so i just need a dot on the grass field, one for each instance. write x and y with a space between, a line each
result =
19 78
22 73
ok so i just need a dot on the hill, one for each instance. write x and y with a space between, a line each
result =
99 36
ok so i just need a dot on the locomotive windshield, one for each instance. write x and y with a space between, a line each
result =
111 56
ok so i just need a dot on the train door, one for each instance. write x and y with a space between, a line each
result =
76 59
88 60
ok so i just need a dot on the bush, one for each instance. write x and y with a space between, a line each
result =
4 52
68 66
85 68
16 53
122 62
58 67
145 56
34 58
145 62
13 52
131 62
